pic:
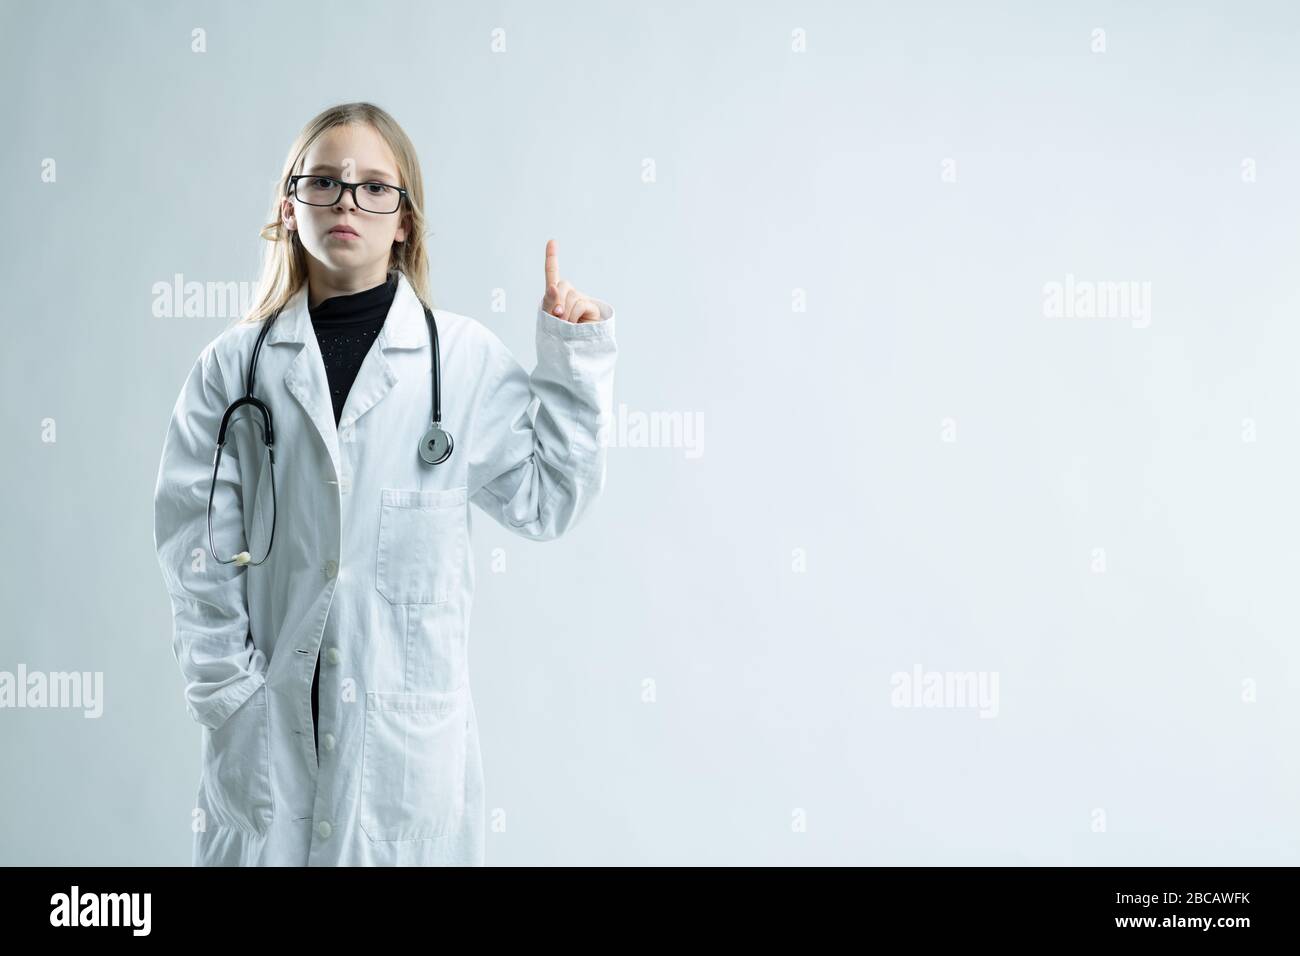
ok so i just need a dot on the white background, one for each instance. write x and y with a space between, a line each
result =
1156 699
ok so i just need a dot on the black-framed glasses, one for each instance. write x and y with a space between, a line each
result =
372 196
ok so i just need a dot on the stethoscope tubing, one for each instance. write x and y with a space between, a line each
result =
435 445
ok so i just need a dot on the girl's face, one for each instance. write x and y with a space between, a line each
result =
354 154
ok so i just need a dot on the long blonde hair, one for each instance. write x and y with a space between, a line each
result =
284 261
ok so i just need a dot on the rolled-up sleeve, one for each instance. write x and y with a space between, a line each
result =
210 637
536 476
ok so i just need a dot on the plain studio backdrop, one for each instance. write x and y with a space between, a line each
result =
957 353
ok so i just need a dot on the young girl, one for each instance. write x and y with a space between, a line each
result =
319 565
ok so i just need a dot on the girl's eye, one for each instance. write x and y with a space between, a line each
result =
321 182
376 188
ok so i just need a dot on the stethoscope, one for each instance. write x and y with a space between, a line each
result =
435 445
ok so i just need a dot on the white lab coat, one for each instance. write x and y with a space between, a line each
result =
372 568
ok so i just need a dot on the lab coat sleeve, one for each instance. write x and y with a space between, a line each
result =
210 638
536 477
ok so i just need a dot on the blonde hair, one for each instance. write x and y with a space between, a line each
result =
284 261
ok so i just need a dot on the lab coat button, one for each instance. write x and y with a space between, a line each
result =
324 829
328 741
331 568
345 484
332 656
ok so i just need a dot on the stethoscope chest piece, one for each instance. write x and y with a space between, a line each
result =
435 446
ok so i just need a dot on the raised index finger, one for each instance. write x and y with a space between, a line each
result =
552 263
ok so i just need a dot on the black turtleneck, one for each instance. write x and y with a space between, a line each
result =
346 326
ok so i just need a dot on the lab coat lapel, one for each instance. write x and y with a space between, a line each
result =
376 377
307 381
305 377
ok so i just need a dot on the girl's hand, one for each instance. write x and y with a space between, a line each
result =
561 299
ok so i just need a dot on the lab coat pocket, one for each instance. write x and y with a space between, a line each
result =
423 537
236 786
413 765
